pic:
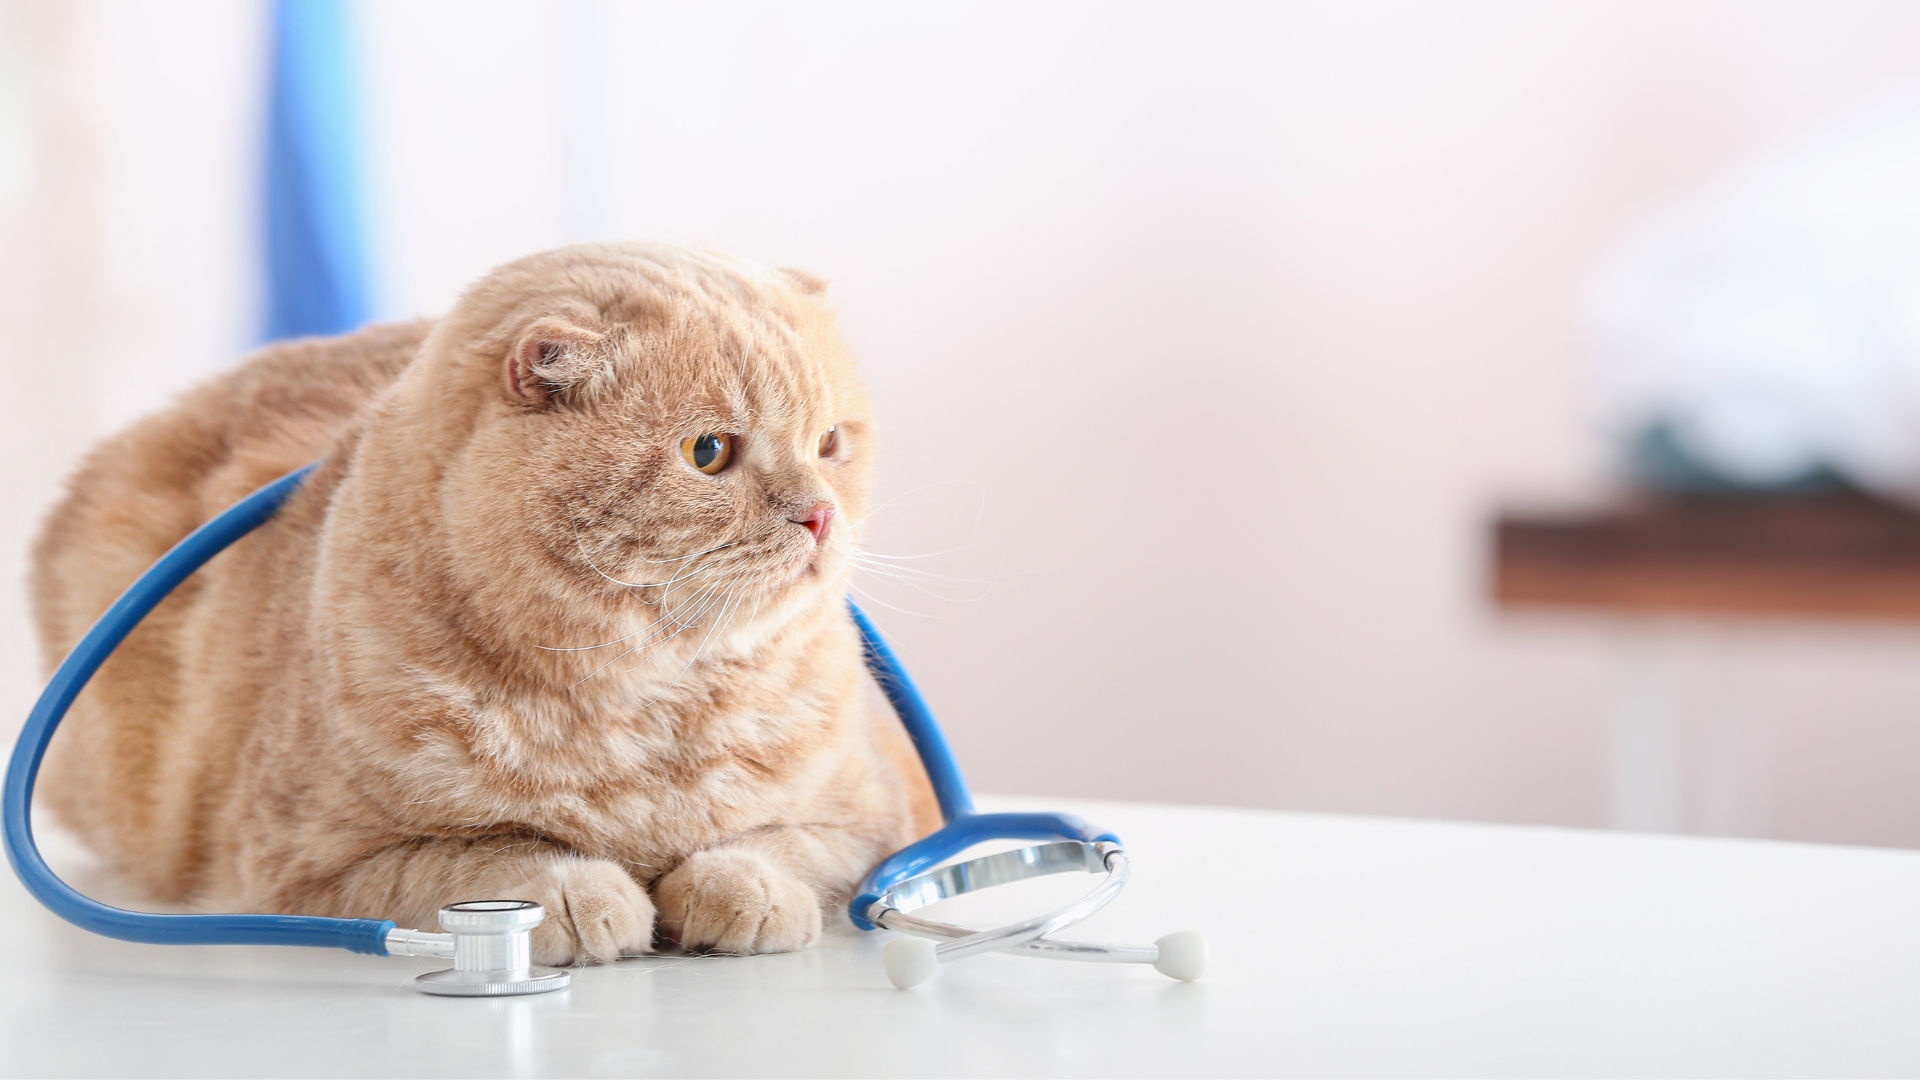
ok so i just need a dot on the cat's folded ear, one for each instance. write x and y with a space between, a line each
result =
553 356
802 282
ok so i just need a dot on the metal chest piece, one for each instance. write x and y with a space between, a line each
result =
492 951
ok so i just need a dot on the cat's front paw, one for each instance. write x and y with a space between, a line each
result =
596 913
737 902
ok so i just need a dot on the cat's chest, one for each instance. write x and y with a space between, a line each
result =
632 787
651 825
634 778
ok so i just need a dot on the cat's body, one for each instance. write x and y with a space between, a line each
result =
508 640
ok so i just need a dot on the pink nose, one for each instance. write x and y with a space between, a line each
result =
817 520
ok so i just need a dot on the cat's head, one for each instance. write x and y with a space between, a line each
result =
623 427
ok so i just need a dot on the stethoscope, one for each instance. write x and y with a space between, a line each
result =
489 941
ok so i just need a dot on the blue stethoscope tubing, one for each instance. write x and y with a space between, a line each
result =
964 826
963 829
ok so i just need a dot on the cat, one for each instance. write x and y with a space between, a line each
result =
559 617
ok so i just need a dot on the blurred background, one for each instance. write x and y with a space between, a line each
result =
1293 404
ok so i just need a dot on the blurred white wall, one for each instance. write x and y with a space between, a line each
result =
1205 337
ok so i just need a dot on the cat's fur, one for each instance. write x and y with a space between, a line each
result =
449 668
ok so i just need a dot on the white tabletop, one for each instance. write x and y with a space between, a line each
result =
1340 945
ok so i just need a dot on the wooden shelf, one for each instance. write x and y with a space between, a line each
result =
1838 554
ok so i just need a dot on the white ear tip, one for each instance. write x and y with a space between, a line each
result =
910 961
1183 956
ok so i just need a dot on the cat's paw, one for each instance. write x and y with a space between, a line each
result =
737 902
596 913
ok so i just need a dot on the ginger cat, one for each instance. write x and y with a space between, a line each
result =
560 618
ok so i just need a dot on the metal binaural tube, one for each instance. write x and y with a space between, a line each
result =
1044 948
913 960
892 910
1020 933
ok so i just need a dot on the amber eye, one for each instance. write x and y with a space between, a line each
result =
830 442
708 453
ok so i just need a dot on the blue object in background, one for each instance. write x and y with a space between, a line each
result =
314 244
1658 458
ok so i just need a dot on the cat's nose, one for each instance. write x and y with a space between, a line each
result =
817 520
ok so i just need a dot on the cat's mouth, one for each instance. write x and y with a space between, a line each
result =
809 566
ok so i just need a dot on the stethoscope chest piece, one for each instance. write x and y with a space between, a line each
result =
492 947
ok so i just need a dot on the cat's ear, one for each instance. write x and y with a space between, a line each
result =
552 356
803 282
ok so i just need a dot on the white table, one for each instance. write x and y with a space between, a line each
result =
1341 946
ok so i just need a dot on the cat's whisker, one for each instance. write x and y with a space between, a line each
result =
713 598
645 657
859 553
976 485
924 581
655 628
581 546
665 615
602 645
895 570
945 592
732 601
680 627
893 566
708 551
704 642
698 605
872 599
688 575
926 590
665 600
704 600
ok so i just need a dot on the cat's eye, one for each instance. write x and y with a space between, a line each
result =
830 442
708 453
